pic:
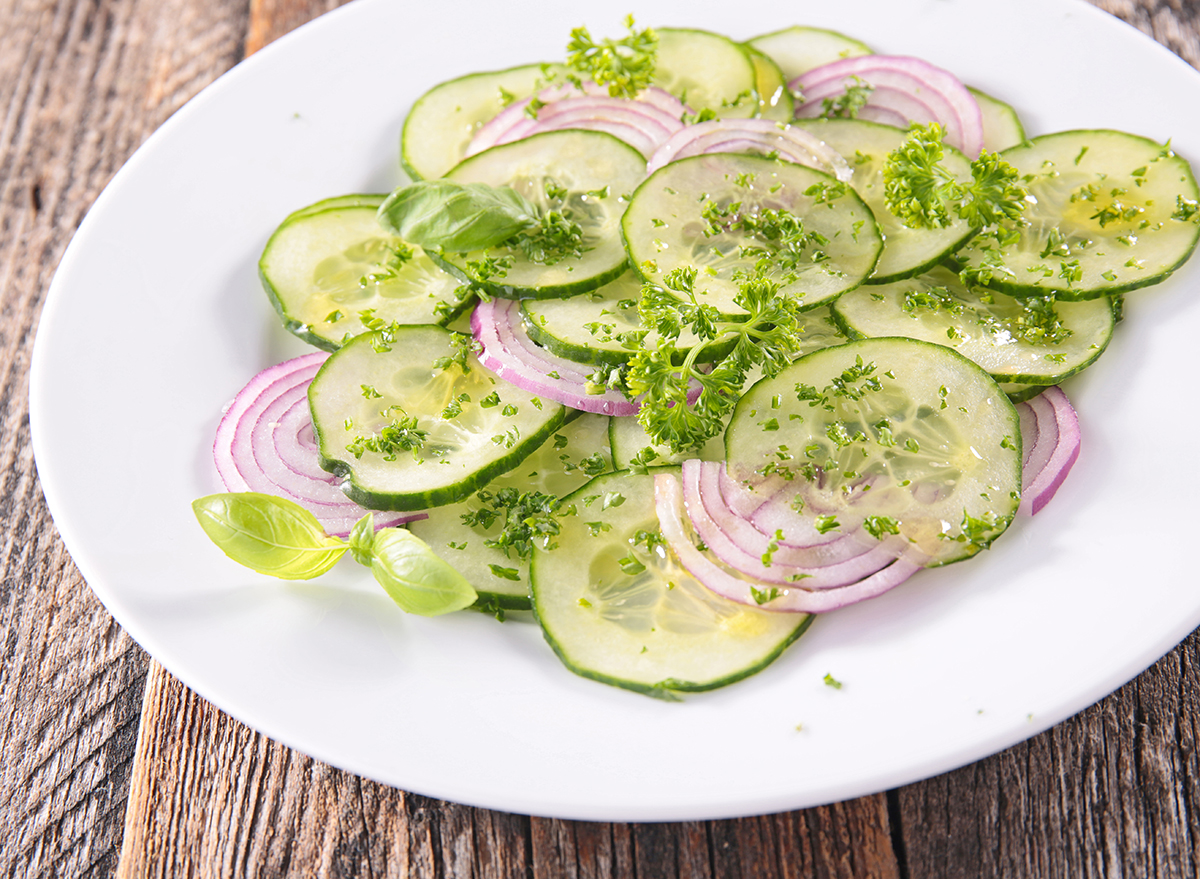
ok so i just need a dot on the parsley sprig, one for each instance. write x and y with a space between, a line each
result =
626 65
528 519
846 105
769 339
924 195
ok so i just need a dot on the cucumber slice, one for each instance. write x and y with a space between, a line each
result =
1109 212
1030 341
329 266
798 50
443 120
1019 392
571 456
774 97
907 431
596 170
665 228
1002 127
629 440
706 71
906 252
376 380
618 608
593 327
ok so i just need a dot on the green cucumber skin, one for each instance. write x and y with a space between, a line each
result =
994 110
623 159
1040 380
508 75
509 291
667 688
1066 292
556 473
437 496
850 131
674 34
784 110
740 419
1020 395
786 38
300 328
762 163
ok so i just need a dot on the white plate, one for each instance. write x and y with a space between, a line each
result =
155 319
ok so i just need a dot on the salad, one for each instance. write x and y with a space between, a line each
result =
685 340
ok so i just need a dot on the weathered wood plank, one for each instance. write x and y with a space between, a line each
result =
1111 792
81 85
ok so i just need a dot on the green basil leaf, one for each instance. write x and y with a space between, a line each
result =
456 217
268 534
416 579
362 540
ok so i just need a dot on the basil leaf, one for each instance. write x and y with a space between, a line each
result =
362 540
268 534
415 577
457 217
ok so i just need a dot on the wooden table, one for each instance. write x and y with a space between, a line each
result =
112 766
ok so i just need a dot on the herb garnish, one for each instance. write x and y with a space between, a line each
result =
923 194
626 65
769 338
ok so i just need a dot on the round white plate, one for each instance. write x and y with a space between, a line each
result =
155 319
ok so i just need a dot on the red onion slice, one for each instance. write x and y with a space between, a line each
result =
736 543
668 498
882 115
643 122
921 83
801 543
642 126
265 443
497 327
511 354
1050 439
752 136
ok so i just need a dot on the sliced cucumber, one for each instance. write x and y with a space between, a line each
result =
568 458
629 440
601 326
1019 392
798 50
906 252
1109 212
1031 341
774 97
476 426
706 71
443 120
597 172
665 228
618 608
330 266
1002 127
909 432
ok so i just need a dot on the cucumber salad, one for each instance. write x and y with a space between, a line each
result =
681 340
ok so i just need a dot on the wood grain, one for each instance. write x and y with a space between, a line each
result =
81 85
106 754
